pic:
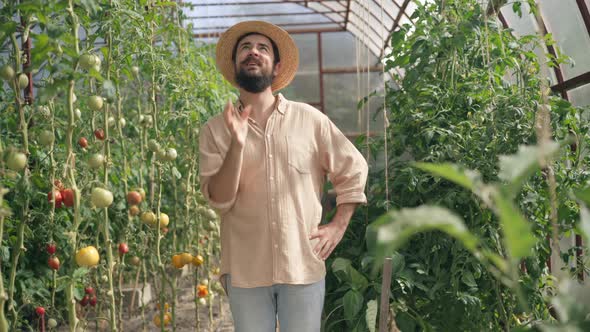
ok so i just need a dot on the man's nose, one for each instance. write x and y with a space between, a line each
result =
254 52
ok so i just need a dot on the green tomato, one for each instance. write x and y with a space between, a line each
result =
96 160
153 145
23 80
44 111
52 323
101 198
7 73
16 161
171 154
86 61
46 138
95 103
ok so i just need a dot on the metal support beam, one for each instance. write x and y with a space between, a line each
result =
290 31
572 83
321 72
551 50
586 17
395 25
283 25
267 14
352 70
189 4
347 11
585 14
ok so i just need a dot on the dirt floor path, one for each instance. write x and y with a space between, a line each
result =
185 316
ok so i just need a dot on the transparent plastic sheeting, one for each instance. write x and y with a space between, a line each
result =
371 22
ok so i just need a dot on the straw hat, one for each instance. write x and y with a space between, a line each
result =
287 50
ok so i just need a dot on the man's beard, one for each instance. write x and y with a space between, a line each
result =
253 83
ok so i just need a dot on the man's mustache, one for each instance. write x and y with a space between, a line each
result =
251 59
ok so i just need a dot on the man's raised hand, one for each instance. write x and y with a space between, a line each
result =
237 122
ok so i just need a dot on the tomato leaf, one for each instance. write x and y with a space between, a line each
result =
451 172
371 315
353 303
518 237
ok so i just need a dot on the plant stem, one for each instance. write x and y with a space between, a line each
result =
3 213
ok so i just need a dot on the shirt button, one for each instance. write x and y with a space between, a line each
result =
268 135
270 156
276 245
271 178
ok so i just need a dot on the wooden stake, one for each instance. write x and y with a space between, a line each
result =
385 288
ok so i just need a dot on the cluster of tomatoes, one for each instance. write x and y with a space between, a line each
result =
167 316
89 297
53 261
60 195
180 260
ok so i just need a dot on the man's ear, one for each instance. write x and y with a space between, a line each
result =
277 69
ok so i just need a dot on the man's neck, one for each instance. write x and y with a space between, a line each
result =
262 103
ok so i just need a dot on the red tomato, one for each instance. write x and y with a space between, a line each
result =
40 311
68 197
99 134
123 249
53 263
58 198
133 198
84 301
51 248
83 142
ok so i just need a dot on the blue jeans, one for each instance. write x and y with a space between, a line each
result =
298 307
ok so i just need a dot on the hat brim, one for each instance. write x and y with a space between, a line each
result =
288 51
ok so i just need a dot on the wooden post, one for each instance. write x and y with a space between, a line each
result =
385 288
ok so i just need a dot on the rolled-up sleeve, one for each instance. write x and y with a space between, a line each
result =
345 166
210 161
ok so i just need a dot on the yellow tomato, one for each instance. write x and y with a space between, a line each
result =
198 260
148 218
87 257
177 261
164 220
186 258
167 319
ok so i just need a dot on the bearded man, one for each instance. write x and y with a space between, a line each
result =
263 164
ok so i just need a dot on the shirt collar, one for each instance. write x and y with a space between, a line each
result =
281 104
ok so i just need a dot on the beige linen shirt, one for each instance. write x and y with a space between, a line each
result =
265 228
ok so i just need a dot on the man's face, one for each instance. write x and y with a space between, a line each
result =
255 69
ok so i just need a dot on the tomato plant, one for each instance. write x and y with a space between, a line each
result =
117 85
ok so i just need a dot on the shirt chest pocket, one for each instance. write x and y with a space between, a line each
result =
299 154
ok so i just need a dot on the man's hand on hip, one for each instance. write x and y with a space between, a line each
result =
331 234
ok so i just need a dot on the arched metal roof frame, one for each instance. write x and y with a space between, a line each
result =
371 22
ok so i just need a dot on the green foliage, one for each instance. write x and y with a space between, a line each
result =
468 95
187 90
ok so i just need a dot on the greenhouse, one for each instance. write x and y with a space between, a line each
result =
294 165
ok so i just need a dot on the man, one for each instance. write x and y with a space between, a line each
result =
263 164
